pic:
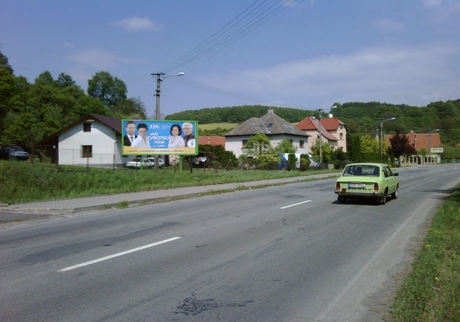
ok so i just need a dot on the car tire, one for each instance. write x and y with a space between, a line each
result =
342 199
394 195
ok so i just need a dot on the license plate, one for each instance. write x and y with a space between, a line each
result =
357 185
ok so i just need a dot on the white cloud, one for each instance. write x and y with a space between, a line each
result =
137 24
388 25
408 75
432 3
443 9
98 59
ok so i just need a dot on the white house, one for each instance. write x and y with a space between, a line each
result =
94 140
273 126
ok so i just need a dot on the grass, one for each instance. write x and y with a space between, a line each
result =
213 126
431 292
25 182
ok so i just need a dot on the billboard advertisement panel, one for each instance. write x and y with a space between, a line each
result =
151 137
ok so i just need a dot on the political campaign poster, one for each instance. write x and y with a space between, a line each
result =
151 137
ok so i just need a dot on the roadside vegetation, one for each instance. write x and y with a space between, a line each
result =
25 182
431 292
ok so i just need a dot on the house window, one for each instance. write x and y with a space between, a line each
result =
86 127
301 143
87 151
245 142
291 141
341 136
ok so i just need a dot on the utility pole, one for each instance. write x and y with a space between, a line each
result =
320 140
157 106
157 94
160 78
429 142
381 134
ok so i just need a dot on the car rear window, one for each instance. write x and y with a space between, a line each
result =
362 170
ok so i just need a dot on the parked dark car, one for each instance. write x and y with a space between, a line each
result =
15 152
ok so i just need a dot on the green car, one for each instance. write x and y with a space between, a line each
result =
369 180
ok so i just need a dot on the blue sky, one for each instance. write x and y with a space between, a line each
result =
300 53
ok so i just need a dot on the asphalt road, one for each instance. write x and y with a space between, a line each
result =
284 253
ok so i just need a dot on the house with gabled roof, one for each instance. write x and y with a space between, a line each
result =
93 140
270 124
333 131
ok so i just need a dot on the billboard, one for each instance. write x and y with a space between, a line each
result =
151 137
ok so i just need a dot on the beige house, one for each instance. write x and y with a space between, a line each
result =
273 126
333 131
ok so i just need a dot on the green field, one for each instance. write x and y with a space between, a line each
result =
212 126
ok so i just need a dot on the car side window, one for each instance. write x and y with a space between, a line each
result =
385 171
389 172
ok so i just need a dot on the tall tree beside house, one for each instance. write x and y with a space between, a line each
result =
369 144
131 108
257 144
7 87
65 80
285 146
354 151
108 89
400 145
327 152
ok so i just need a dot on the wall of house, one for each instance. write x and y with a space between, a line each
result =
235 144
103 140
341 142
340 135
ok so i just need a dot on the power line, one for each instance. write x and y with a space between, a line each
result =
256 16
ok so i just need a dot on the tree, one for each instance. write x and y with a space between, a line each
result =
369 144
285 146
110 90
132 108
326 151
7 87
65 80
399 145
257 144
268 161
355 148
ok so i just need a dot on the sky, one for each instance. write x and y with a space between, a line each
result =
306 54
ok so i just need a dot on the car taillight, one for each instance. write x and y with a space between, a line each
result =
337 186
376 187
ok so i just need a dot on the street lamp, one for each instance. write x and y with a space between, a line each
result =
381 133
429 140
160 77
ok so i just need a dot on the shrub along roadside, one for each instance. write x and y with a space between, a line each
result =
25 182
431 292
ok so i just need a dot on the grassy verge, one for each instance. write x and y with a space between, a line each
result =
25 182
431 292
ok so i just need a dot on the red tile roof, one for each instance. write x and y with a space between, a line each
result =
419 140
310 123
211 140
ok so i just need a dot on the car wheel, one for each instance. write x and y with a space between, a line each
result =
394 195
342 199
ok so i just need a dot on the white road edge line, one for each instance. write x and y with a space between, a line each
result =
295 204
117 255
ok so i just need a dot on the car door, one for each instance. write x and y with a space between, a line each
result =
390 180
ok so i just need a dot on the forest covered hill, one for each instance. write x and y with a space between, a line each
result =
359 117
